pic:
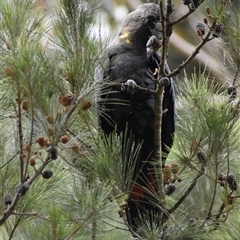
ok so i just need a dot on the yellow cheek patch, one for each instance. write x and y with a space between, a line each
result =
125 37
128 41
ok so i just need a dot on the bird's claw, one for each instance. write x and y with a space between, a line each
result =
153 43
164 81
129 86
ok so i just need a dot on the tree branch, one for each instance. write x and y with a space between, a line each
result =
17 196
190 11
8 161
20 135
193 55
190 188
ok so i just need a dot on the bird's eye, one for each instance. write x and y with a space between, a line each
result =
145 20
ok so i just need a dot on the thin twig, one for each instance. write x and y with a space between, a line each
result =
17 196
10 210
69 163
20 136
80 226
81 141
39 171
30 142
6 163
65 120
215 188
193 55
201 44
14 228
115 227
184 196
190 11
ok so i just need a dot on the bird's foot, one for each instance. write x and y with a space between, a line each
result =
164 81
153 43
129 86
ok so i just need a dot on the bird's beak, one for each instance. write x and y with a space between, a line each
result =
157 31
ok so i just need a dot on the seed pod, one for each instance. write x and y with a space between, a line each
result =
205 21
87 105
47 174
230 178
21 189
41 141
52 151
232 182
232 91
46 142
175 168
65 100
200 28
25 105
75 147
193 4
167 173
32 161
27 147
164 81
170 189
221 177
186 2
217 30
64 139
208 10
199 33
7 199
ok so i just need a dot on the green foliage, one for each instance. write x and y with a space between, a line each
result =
207 120
230 42
48 73
206 124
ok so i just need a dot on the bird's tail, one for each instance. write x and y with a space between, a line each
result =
144 204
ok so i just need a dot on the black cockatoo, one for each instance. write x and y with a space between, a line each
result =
132 60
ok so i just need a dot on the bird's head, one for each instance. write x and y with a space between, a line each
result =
151 18
141 24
